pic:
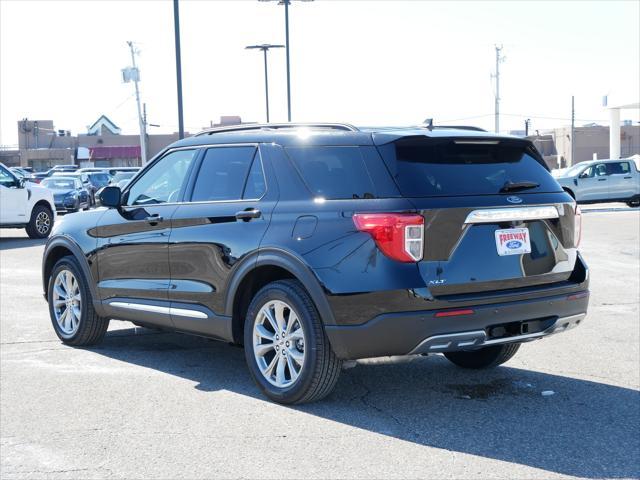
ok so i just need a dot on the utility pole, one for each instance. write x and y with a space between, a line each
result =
573 132
176 30
527 122
135 75
499 59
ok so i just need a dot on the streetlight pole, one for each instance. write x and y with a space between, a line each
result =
286 4
176 28
265 48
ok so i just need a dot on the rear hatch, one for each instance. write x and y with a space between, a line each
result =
494 217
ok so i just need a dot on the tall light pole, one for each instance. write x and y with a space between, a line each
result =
176 30
499 59
265 48
133 74
286 4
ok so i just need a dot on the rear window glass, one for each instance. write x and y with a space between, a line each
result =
333 172
425 168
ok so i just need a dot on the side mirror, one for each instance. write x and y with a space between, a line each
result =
110 196
22 182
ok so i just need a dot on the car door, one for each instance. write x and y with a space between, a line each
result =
621 182
13 199
227 213
593 183
133 258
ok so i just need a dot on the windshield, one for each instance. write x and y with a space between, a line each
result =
426 167
570 172
60 183
99 179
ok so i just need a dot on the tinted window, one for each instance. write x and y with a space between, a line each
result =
162 182
617 168
6 178
255 186
99 179
223 173
333 172
428 167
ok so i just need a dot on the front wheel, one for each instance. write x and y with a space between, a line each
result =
286 348
71 306
487 357
634 203
41 222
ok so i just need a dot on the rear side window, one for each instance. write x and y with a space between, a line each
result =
333 172
617 168
223 174
427 167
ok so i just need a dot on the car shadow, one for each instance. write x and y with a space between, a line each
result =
9 243
583 428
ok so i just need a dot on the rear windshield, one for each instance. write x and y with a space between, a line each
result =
333 172
99 179
425 168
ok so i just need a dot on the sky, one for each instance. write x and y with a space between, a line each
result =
361 62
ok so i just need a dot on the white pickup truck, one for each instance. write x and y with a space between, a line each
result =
598 181
25 205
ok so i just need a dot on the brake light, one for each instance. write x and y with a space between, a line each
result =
400 236
577 227
454 313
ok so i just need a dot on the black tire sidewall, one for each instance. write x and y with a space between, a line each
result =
307 318
32 229
69 263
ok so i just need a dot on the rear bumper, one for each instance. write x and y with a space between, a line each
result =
415 332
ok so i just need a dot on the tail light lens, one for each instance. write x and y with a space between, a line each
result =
577 227
400 236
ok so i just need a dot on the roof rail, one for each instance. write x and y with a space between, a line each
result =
459 127
276 126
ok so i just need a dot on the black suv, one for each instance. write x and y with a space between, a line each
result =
313 244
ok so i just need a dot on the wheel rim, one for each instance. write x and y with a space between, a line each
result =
279 343
43 222
67 302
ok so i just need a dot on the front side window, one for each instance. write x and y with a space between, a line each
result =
162 182
6 178
223 174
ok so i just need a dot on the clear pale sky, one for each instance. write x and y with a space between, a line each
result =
364 62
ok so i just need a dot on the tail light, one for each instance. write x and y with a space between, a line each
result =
400 236
577 226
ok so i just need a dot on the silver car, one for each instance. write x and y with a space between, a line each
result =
603 181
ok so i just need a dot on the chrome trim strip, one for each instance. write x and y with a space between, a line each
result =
511 214
182 312
478 338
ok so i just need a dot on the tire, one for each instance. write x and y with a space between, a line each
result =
317 375
40 223
487 357
89 328
634 203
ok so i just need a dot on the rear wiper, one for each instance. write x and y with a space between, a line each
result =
512 186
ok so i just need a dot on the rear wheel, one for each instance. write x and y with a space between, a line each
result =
40 223
71 305
634 202
486 357
286 348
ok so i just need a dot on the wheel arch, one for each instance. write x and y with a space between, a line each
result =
570 192
44 203
59 247
264 267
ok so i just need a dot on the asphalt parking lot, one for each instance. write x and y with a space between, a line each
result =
147 404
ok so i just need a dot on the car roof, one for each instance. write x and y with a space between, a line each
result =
333 134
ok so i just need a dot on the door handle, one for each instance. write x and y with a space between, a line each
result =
627 177
154 219
602 179
247 215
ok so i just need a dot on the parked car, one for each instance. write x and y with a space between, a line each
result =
63 168
112 171
122 178
92 181
69 195
25 205
599 181
314 244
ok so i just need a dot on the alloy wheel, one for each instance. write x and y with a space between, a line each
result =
279 343
67 302
43 222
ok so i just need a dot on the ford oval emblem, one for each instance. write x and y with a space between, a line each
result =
514 199
514 244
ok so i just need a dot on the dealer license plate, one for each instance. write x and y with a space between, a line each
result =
513 241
